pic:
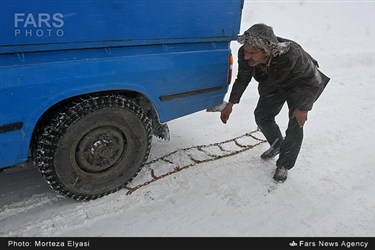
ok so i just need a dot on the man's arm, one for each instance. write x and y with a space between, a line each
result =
298 75
309 83
244 75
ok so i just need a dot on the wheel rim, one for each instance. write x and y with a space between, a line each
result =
100 149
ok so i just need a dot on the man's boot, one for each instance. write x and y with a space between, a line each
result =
281 174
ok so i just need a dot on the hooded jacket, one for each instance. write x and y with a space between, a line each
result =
294 74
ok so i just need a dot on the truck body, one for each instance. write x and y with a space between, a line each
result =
167 58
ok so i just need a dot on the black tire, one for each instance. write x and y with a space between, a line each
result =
94 147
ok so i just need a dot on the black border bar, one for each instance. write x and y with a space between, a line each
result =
174 243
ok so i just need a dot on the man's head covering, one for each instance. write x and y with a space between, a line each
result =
262 38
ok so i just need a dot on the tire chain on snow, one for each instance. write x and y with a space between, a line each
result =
238 147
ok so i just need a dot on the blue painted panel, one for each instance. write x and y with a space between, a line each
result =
32 84
51 50
65 24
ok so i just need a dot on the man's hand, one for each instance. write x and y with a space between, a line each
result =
225 113
301 116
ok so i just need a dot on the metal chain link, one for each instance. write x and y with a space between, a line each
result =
202 148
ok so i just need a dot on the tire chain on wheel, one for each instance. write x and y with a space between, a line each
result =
202 148
51 134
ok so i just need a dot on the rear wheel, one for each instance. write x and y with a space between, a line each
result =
94 147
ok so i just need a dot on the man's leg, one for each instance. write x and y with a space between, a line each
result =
291 144
267 108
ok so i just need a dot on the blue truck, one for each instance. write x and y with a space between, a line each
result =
85 85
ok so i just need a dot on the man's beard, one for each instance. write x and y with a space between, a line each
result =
252 63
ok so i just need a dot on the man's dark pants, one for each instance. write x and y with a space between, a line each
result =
268 107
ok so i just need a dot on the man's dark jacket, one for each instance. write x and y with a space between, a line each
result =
294 74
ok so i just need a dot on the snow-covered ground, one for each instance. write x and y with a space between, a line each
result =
330 192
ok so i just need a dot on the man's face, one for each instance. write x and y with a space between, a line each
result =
254 56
